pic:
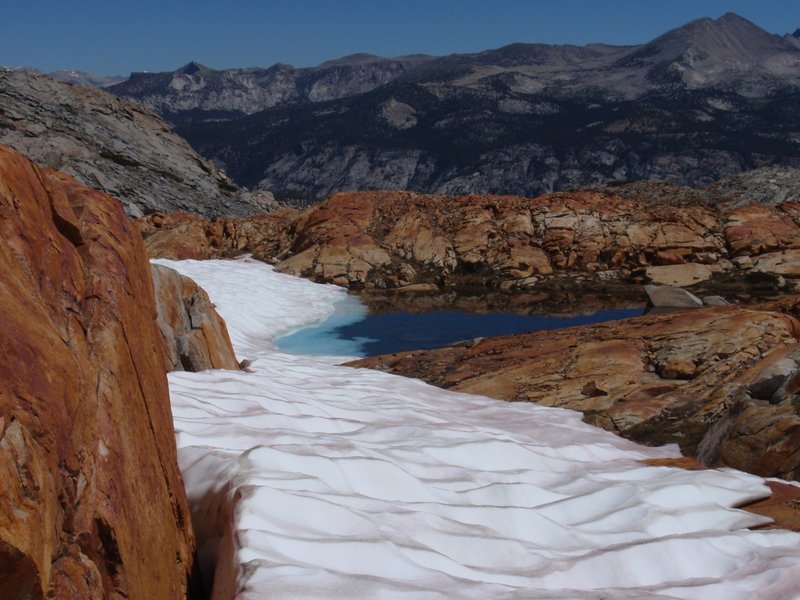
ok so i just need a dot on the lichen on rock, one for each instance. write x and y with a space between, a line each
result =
93 504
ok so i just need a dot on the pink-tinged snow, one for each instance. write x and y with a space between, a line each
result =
310 480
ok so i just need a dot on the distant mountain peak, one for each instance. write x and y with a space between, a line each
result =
352 59
192 68
728 39
796 33
83 78
728 28
363 58
732 17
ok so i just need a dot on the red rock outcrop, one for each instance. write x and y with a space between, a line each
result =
91 499
195 336
721 382
179 236
757 229
396 240
393 239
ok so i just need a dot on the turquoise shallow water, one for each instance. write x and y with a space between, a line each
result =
351 331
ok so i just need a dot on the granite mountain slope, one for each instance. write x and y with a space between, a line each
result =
702 102
195 92
115 146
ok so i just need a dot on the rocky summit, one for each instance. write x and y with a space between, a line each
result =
115 146
702 102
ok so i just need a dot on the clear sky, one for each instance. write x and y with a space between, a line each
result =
112 37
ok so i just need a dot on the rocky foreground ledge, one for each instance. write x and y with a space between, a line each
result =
416 242
92 503
721 382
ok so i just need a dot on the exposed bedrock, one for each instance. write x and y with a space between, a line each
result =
722 382
92 503
416 242
115 146
181 236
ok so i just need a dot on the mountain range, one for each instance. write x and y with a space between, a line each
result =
705 101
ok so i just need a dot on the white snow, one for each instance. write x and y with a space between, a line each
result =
321 481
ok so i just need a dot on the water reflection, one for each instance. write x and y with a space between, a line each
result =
420 322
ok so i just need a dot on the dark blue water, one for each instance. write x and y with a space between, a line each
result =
369 335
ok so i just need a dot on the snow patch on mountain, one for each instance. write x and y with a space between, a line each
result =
311 480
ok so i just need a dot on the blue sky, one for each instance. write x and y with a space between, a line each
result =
113 37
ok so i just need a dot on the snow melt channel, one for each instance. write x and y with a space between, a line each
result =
310 480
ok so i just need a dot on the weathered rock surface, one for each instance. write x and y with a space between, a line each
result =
394 240
665 296
680 275
767 185
195 336
115 146
721 382
753 230
92 502
179 236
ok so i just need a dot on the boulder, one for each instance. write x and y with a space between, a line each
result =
92 502
667 296
714 301
181 236
785 263
758 229
764 440
195 336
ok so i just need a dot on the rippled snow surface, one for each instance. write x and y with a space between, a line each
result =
329 482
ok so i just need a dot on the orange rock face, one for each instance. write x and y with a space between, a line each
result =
394 240
721 382
91 499
179 236
754 230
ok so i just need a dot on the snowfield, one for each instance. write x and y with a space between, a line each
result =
311 480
